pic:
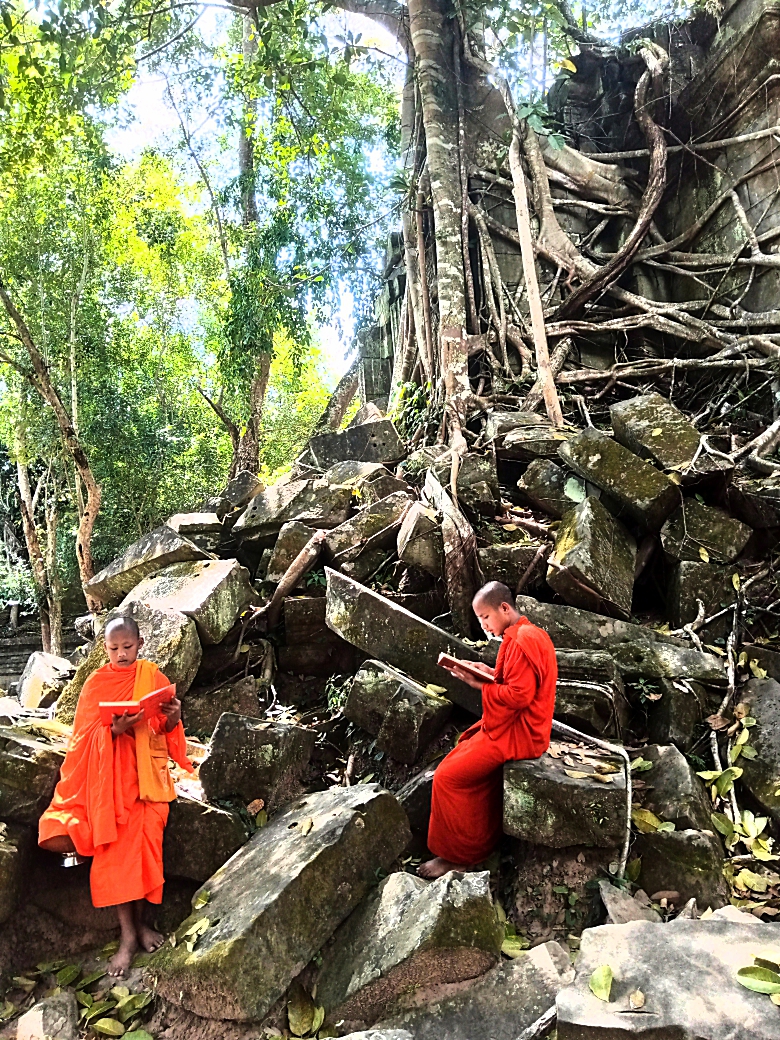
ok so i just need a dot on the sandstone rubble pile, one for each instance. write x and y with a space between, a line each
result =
302 622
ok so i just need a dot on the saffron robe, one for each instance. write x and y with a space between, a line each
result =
517 710
113 793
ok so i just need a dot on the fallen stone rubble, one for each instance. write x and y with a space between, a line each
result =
316 715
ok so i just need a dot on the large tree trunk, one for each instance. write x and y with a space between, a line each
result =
431 27
40 379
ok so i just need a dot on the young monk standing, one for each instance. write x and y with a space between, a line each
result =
111 802
517 711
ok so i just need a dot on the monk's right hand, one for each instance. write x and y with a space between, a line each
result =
123 723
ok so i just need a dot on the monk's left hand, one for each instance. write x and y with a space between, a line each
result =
468 678
172 713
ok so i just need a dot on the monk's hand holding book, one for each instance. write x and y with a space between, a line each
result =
473 673
122 723
172 713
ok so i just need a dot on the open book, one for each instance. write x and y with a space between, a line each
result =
150 705
475 668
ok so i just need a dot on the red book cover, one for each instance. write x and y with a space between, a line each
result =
150 705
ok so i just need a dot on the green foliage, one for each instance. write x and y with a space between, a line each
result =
296 397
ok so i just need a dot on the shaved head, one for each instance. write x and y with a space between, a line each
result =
122 624
493 595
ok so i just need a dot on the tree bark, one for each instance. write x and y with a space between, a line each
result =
246 149
34 552
40 379
248 454
431 29
544 376
340 399
51 514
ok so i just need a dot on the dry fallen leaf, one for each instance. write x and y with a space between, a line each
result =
254 807
307 825
717 722
576 774
636 999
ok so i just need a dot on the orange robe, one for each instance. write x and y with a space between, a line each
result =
113 793
517 711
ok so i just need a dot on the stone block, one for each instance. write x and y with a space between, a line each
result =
689 862
500 1005
415 800
403 715
201 708
409 933
199 838
664 661
592 565
674 792
524 436
583 630
155 551
545 806
755 501
477 481
276 902
687 973
694 528
590 694
16 844
361 544
393 634
355 474
508 562
420 542
375 441
380 1034
316 503
761 775
240 490
170 640
417 463
43 679
622 907
293 537
311 648
675 717
250 759
695 580
642 493
548 487
203 529
212 592
53 1018
29 770
653 428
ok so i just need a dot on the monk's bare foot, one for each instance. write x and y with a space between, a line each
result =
149 939
123 958
438 867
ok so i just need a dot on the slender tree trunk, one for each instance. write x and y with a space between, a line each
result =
246 148
340 399
34 552
54 584
40 379
248 454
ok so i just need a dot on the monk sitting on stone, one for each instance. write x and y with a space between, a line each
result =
111 802
517 711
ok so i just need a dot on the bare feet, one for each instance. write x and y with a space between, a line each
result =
438 867
123 958
149 939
